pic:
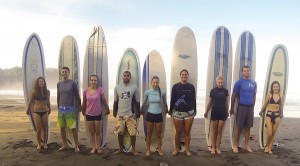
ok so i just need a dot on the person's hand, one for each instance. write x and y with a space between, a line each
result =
49 112
27 112
281 115
138 114
108 112
79 108
261 113
115 114
227 113
83 112
231 112
205 115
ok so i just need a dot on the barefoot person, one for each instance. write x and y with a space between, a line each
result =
183 110
273 105
218 103
245 90
67 95
41 109
125 94
156 102
93 98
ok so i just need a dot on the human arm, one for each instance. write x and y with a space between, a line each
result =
209 104
77 96
105 104
116 102
264 106
164 102
83 105
173 98
48 102
281 106
31 101
233 97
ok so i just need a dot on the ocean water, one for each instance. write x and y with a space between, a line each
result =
291 107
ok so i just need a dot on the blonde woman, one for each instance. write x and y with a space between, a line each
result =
218 103
273 105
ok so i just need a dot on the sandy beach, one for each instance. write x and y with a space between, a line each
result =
18 145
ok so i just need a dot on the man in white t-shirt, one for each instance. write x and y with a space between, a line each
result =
125 96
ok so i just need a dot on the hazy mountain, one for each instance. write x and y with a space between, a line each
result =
12 78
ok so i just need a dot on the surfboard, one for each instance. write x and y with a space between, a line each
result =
184 56
129 62
154 66
33 65
245 55
95 62
69 57
219 63
278 70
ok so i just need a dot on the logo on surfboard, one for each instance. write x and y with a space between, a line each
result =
184 56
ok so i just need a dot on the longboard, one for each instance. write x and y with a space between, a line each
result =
69 57
33 65
184 56
154 66
245 55
95 62
278 70
219 63
129 62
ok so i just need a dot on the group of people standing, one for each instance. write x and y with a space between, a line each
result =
126 108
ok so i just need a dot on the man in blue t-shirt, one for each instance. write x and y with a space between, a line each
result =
245 89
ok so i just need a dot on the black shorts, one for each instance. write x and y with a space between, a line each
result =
93 118
154 118
218 114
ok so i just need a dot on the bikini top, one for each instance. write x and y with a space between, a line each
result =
272 101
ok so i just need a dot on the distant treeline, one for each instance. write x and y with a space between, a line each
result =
12 78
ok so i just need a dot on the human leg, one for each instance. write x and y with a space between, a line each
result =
149 135
98 135
45 129
187 130
37 120
178 124
91 128
213 129
158 129
219 135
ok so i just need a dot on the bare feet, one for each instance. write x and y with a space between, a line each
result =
38 147
160 153
188 154
209 148
135 152
218 151
93 151
249 149
266 150
99 151
118 151
76 149
45 146
63 147
148 153
235 150
174 153
270 152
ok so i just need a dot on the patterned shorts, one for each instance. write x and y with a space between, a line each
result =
125 121
183 115
66 117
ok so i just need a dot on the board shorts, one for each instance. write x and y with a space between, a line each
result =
154 118
93 118
245 116
184 115
125 121
66 117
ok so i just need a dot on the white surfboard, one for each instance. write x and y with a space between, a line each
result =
184 56
278 70
33 67
69 57
95 62
154 66
129 62
219 63
245 55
